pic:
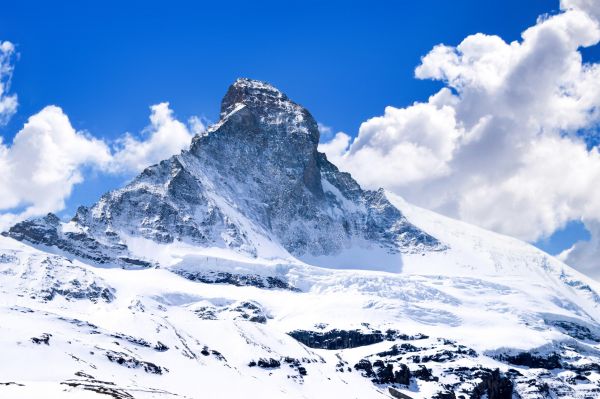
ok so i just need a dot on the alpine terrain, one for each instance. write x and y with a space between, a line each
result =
249 266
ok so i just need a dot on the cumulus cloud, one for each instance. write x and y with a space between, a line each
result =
8 102
48 157
164 137
501 145
326 132
591 7
585 253
44 162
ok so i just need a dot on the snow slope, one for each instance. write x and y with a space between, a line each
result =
490 293
188 284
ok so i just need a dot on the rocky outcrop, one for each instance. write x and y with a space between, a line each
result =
575 330
336 339
47 232
532 360
131 362
269 363
494 385
239 280
240 310
42 339
250 311
381 372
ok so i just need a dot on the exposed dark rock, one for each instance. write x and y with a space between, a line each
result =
9 383
207 313
218 355
93 292
42 339
47 232
269 363
243 310
365 367
385 373
423 373
445 395
440 357
131 362
401 349
583 367
251 311
336 339
296 364
160 347
291 361
79 323
84 375
132 340
381 372
135 262
574 330
238 280
494 385
549 362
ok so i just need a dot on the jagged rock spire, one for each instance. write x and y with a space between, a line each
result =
255 177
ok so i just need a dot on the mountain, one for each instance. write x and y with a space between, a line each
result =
250 266
254 183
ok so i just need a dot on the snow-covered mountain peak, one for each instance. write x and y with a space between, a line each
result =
255 184
271 107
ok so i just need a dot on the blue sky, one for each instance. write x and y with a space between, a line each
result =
105 64
345 61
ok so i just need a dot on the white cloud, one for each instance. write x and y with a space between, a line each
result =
585 253
498 146
164 137
48 157
591 7
44 162
8 102
336 147
197 125
326 132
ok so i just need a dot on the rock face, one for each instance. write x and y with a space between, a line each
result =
336 339
254 177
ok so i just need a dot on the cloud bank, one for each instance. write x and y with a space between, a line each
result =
505 143
48 157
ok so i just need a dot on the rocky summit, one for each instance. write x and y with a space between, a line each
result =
253 179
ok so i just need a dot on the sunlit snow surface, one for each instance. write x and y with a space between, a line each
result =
249 266
488 292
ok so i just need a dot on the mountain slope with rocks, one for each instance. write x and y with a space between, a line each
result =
250 266
254 183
